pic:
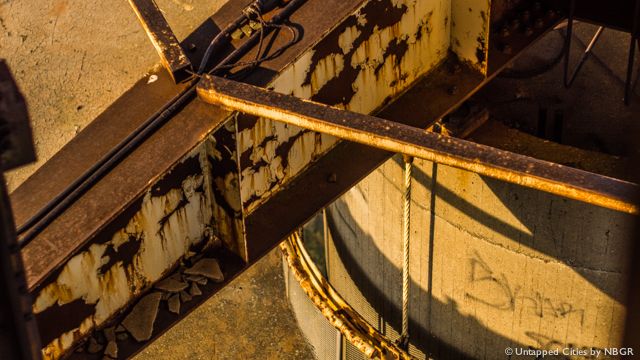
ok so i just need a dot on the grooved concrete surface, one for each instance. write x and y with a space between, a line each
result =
72 58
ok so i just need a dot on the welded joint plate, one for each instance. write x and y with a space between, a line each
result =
172 55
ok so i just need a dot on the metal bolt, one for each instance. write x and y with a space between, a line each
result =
333 178
455 68
452 90
528 31
537 6
515 24
539 24
504 32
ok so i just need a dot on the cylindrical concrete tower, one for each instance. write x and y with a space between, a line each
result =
492 265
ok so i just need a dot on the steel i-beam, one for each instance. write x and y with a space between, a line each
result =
484 160
216 190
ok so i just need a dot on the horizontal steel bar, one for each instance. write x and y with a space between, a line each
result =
163 39
384 134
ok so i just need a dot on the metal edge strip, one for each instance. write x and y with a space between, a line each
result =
334 308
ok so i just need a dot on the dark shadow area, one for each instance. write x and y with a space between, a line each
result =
576 252
388 307
391 313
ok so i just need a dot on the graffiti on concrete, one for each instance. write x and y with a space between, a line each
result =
493 289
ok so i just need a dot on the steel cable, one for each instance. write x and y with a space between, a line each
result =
406 235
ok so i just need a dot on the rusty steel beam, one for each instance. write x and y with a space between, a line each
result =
171 53
165 192
522 170
198 193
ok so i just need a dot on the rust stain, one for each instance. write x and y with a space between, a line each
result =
172 219
373 55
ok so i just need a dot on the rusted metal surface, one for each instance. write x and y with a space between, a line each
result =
163 39
176 301
160 195
158 183
517 27
470 32
372 56
513 168
334 308
169 223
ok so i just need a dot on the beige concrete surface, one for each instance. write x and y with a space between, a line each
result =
248 319
72 58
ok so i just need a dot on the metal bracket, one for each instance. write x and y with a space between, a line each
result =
163 39
391 136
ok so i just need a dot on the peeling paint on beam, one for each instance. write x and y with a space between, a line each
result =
173 221
373 56
470 32
216 161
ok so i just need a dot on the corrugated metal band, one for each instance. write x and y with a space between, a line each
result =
334 308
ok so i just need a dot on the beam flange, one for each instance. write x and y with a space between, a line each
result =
391 136
172 55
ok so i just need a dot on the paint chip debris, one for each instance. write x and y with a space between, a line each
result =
171 284
152 79
184 296
140 320
194 290
111 350
209 268
94 347
200 280
174 304
110 333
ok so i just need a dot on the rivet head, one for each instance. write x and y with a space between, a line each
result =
515 24
528 31
537 6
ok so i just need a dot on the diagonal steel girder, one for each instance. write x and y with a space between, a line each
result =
600 190
212 181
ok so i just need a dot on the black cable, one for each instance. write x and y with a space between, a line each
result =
104 160
89 178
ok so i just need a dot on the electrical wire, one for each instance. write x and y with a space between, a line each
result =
48 213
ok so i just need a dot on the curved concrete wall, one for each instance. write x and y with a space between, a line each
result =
493 265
